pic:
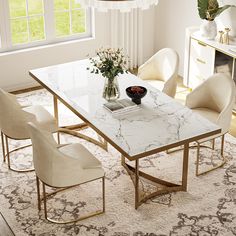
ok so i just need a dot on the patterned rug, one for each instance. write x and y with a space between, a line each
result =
207 208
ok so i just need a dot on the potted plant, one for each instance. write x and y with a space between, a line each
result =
228 18
110 63
208 10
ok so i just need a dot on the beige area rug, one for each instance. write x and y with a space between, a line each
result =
207 208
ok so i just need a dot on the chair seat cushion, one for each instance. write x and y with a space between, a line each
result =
44 118
77 151
158 84
209 115
79 167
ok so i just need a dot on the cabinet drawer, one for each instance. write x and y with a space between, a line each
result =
202 51
201 63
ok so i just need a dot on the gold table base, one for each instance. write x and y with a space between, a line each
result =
167 186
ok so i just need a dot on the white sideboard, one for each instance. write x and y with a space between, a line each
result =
206 57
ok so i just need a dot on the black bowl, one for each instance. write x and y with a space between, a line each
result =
136 93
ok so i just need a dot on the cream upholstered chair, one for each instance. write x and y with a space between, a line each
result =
161 71
13 123
214 99
62 166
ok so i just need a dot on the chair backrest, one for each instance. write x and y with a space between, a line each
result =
217 93
49 162
44 153
221 98
12 117
161 66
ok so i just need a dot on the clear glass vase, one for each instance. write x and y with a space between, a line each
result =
111 91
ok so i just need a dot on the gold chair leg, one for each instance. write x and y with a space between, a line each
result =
213 168
8 154
3 147
8 157
198 156
45 196
198 146
38 192
45 202
58 138
213 144
103 194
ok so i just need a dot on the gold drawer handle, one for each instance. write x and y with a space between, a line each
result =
202 44
201 61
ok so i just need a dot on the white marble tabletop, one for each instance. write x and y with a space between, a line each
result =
161 123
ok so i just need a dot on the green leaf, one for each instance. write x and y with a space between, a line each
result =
202 8
221 9
213 4
211 13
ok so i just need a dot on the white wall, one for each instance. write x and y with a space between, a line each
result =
149 32
14 66
172 18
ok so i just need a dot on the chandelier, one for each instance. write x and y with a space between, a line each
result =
122 5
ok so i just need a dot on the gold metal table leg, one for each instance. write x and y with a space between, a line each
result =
85 137
103 194
136 184
167 186
213 144
56 116
55 105
45 202
222 145
72 130
3 147
185 167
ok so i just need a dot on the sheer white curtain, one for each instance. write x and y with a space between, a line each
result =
126 31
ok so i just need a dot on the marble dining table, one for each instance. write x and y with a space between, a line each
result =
160 124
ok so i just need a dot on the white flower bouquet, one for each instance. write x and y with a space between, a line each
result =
110 62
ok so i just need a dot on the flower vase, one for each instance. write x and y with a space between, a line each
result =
208 29
111 90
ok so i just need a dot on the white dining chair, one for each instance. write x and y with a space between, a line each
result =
161 71
63 167
13 123
213 99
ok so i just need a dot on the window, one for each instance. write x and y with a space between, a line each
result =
25 23
69 18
